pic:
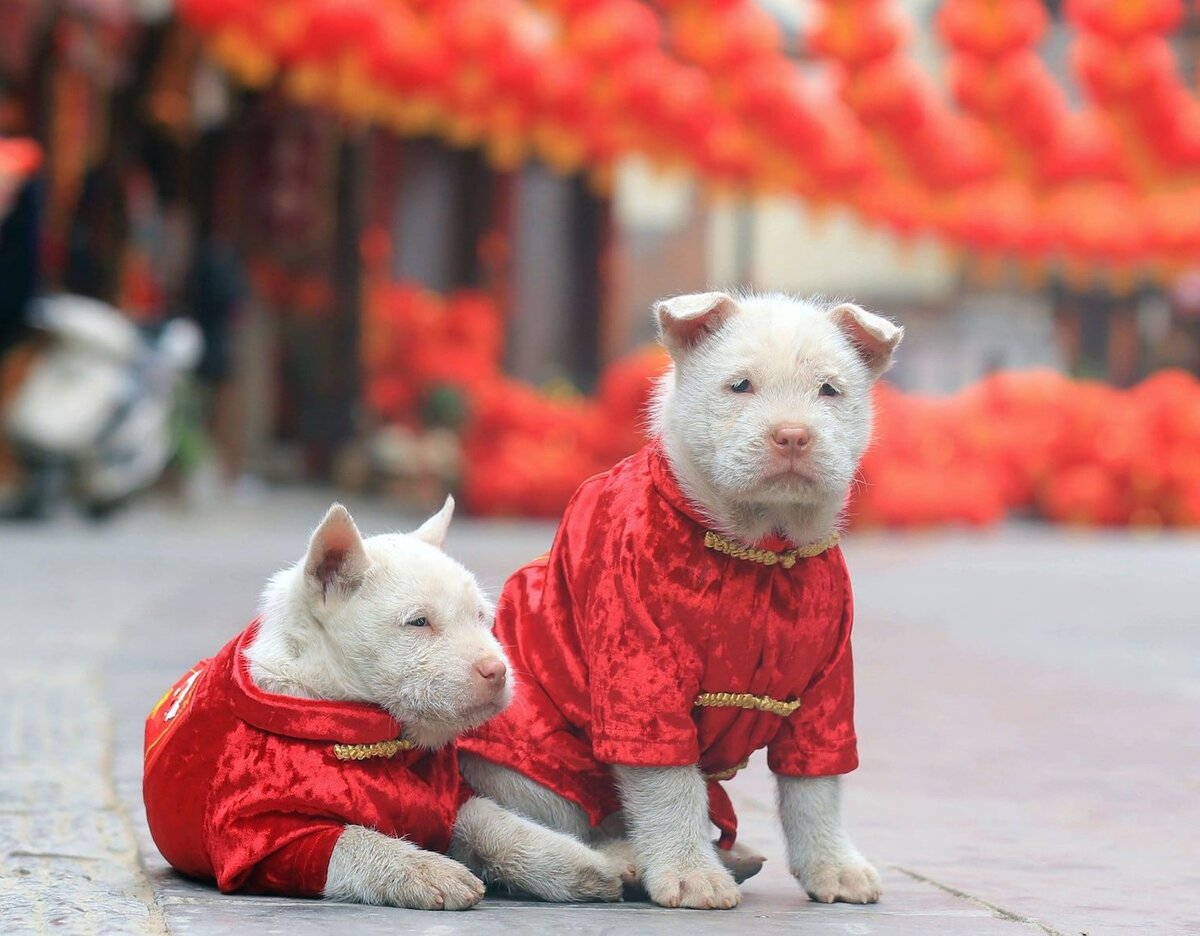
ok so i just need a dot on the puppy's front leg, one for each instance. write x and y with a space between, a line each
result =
820 854
666 810
372 868
508 849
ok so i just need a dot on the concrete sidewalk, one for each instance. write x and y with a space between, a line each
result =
1029 721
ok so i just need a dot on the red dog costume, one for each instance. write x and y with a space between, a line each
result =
252 789
645 639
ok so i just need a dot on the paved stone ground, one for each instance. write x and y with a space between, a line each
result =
1028 717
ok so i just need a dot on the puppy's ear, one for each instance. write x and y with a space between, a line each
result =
874 337
336 556
685 321
433 530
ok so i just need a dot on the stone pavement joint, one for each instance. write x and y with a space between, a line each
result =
999 912
156 924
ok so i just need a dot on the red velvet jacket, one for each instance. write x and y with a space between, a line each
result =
645 639
252 789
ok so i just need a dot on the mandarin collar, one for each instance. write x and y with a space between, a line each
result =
307 719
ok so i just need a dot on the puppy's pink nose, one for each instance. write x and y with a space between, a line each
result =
790 438
492 669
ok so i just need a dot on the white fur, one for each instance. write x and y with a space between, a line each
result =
369 867
719 444
820 854
660 837
508 849
666 810
533 801
522 795
395 622
346 636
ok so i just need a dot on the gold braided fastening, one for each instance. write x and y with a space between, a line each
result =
766 556
728 773
759 703
365 751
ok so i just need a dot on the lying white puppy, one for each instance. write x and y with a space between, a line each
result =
314 755
695 608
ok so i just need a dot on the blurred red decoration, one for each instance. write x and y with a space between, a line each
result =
1123 58
1127 20
525 450
1031 443
990 29
1040 444
856 33
19 158
708 86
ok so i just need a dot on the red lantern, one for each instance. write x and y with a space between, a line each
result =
995 216
892 93
991 29
724 39
610 32
1084 495
1118 72
337 27
1175 221
1123 21
950 150
1083 147
855 34
840 156
769 94
1017 89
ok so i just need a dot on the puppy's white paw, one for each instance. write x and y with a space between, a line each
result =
592 878
622 859
433 882
850 880
743 863
698 888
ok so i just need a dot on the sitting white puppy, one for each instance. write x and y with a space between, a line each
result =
695 608
314 755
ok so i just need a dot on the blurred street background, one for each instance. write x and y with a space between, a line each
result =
255 256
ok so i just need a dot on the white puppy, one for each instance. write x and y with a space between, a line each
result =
764 417
395 622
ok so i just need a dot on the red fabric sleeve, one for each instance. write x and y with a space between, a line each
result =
642 686
274 853
818 739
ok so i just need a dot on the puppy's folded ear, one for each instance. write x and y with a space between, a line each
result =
874 337
433 530
685 321
336 556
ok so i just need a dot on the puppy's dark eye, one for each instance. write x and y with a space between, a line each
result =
828 389
417 622
742 386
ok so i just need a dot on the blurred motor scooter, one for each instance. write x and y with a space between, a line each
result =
95 413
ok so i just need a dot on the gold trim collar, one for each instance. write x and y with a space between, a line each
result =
365 751
767 557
